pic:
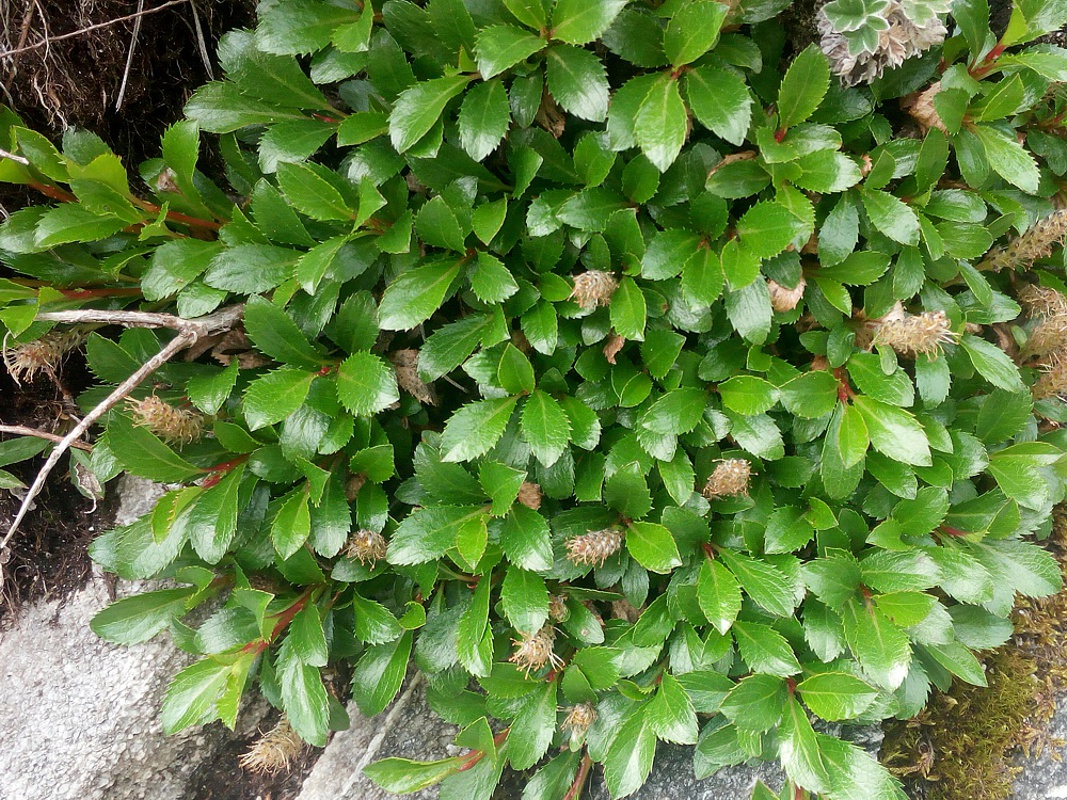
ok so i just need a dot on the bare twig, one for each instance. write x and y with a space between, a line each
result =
129 55
201 42
12 157
22 430
189 330
48 41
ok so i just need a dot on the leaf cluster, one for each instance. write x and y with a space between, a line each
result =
428 412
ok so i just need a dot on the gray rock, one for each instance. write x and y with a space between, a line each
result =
1045 777
79 718
407 729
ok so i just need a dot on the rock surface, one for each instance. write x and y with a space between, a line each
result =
1045 777
79 718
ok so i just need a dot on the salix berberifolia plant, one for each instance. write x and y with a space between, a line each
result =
611 361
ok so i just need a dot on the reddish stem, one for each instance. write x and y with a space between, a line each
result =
174 216
478 755
86 294
579 781
284 617
945 529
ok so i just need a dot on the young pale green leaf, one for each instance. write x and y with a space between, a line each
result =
403 776
191 696
892 216
748 394
314 190
427 533
629 758
1008 158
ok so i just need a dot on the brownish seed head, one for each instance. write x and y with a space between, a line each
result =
913 334
578 719
530 495
594 548
274 751
535 650
1037 243
729 479
366 546
171 424
557 608
783 299
406 366
593 288
25 361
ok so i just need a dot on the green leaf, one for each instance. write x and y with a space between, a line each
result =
138 618
766 229
416 294
693 30
653 547
582 21
755 703
671 713
191 696
719 595
661 123
836 695
803 88
764 649
798 749
533 727
892 216
501 47
418 109
545 427
578 82
428 532
526 539
436 225
515 372
528 12
72 223
1008 158
476 428
702 277
992 363
274 332
676 412
314 190
366 384
960 661
250 268
275 396
628 310
525 600
403 776
292 526
483 119
629 758
748 395
894 432
380 673
627 491
810 395
881 648
143 454
764 583
720 100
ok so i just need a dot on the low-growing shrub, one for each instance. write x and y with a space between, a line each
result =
637 374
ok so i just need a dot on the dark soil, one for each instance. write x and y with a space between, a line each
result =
77 81
47 558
